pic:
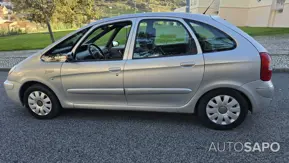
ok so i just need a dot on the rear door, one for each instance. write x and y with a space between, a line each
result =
165 66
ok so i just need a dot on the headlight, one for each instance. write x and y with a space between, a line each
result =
11 70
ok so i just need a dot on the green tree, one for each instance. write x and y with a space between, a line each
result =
64 12
39 11
76 12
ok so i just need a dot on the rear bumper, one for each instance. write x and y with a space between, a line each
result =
260 94
12 91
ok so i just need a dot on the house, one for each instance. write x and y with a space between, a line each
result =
255 13
5 9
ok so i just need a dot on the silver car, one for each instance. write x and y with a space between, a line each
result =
165 62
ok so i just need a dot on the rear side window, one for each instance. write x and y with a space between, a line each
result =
211 39
162 38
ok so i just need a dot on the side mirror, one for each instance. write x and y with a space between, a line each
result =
69 57
115 43
56 58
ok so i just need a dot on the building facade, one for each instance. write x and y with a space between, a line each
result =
5 8
254 13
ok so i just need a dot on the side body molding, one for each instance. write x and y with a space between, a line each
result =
106 91
135 91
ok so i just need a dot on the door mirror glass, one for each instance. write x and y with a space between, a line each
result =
115 43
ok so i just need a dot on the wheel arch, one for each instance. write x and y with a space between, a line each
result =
28 84
224 88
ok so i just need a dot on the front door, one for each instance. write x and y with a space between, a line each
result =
165 68
95 77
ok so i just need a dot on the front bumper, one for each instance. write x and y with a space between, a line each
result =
12 90
260 94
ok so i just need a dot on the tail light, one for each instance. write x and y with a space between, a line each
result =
266 69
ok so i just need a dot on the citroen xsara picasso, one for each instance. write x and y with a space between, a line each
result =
168 62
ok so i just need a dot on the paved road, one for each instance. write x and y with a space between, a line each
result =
115 136
278 44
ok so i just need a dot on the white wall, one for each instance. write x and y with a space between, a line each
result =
236 16
262 15
282 19
255 3
195 10
204 3
259 16
235 11
246 12
235 3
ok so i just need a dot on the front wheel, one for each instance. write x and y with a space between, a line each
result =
223 109
41 102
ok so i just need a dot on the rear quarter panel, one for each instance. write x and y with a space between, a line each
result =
238 66
228 69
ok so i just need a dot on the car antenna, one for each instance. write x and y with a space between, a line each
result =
209 6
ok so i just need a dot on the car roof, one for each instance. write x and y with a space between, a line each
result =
156 14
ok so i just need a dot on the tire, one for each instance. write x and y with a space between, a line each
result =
41 102
223 109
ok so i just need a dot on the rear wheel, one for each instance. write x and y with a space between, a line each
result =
223 109
41 102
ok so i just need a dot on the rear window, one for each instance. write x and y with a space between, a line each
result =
211 39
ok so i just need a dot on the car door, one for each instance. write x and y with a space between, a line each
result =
91 83
165 66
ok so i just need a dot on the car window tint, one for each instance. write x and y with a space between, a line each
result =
141 30
56 53
100 36
162 38
122 36
171 33
67 45
211 39
99 44
94 34
102 41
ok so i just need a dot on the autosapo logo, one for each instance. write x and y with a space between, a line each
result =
244 147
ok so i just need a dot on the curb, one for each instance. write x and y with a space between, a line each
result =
279 54
281 70
4 69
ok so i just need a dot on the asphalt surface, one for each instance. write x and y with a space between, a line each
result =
118 136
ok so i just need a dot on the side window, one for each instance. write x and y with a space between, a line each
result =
122 36
162 38
66 46
103 40
100 36
103 43
211 39
141 31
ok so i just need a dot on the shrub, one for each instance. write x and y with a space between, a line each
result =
6 32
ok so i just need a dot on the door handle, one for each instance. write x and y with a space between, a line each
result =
114 69
188 64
